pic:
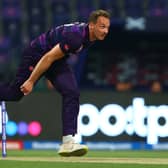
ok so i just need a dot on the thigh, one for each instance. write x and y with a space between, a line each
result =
62 77
25 68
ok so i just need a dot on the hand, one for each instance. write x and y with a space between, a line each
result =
27 87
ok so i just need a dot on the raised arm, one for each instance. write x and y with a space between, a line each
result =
45 62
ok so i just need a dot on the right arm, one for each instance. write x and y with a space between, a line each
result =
45 62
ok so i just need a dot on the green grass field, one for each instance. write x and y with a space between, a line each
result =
97 159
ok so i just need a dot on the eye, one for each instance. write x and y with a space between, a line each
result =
102 26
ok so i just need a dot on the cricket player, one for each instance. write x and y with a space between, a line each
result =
46 56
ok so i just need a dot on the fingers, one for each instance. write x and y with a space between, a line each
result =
25 89
21 88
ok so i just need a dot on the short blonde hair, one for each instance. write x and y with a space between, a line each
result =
97 13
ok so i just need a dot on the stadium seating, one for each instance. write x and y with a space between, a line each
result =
23 20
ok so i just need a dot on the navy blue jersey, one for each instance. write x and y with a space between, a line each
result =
71 37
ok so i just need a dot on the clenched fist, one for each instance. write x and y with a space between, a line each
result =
27 87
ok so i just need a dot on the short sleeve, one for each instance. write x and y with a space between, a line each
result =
71 42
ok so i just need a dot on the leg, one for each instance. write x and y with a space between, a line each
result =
12 92
64 81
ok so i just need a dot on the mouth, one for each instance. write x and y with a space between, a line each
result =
103 36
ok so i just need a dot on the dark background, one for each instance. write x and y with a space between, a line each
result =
128 63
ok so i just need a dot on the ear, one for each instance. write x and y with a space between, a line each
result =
91 25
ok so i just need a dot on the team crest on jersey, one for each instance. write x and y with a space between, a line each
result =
66 47
31 68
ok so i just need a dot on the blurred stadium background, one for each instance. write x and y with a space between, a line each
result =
132 62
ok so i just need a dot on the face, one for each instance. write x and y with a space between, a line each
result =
100 29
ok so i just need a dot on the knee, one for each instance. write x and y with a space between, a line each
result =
16 97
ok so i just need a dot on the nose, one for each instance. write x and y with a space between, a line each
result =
106 30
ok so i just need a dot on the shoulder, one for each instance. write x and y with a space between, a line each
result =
74 28
73 36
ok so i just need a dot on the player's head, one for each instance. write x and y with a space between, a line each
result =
99 24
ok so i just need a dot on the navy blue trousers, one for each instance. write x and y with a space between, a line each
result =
63 79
